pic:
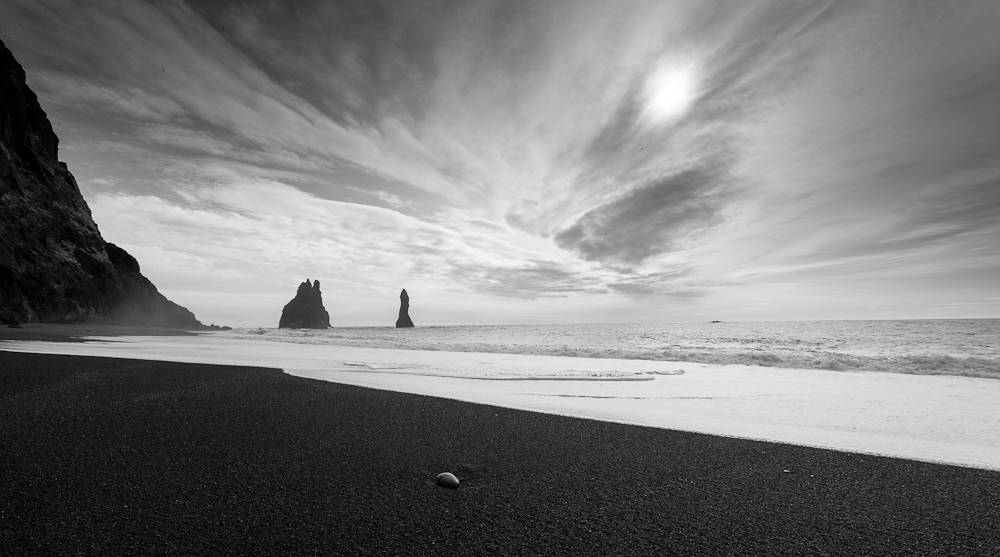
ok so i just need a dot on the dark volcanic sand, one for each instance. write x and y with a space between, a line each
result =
107 456
73 332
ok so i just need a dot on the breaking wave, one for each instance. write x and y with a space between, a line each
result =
804 351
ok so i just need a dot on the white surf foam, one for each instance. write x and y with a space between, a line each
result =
924 347
945 419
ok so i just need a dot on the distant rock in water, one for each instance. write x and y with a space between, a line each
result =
404 310
54 265
306 310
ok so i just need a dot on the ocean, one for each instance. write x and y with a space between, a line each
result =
939 405
969 347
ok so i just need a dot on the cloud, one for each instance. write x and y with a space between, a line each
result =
124 102
509 150
269 230
169 52
646 185
670 283
523 279
649 220
352 61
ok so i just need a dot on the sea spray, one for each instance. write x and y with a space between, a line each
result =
943 347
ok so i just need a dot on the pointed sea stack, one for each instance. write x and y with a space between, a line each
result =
306 310
54 265
404 311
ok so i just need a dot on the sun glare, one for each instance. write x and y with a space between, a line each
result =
670 90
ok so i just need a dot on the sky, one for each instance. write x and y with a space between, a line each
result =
535 162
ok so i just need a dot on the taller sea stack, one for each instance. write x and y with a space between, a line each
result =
54 264
306 310
404 310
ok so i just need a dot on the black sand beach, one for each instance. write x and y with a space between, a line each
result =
109 456
76 333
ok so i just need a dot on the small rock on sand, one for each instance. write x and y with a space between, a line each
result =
447 479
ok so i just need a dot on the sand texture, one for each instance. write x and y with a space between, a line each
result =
116 456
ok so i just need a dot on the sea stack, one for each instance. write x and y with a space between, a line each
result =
306 310
54 265
404 310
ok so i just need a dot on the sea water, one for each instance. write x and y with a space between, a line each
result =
969 347
933 415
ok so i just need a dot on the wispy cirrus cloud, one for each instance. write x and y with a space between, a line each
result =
595 153
649 220
257 225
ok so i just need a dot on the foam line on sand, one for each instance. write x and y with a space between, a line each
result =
943 419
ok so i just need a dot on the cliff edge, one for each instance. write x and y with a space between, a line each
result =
54 265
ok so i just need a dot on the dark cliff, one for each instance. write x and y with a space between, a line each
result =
54 265
306 310
404 310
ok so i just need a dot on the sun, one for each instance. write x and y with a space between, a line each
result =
670 90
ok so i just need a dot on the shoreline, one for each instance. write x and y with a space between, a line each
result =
115 455
942 419
73 332
973 360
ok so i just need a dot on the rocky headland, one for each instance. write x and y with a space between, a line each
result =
54 265
306 310
404 310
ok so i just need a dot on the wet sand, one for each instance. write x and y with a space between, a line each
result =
941 419
114 456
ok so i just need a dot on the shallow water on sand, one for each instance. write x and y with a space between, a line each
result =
934 418
947 346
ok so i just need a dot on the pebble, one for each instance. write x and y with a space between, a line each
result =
447 479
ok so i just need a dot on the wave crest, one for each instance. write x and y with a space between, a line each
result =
805 358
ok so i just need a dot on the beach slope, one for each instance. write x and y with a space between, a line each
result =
115 456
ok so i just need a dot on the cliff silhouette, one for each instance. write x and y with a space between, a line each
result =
54 265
